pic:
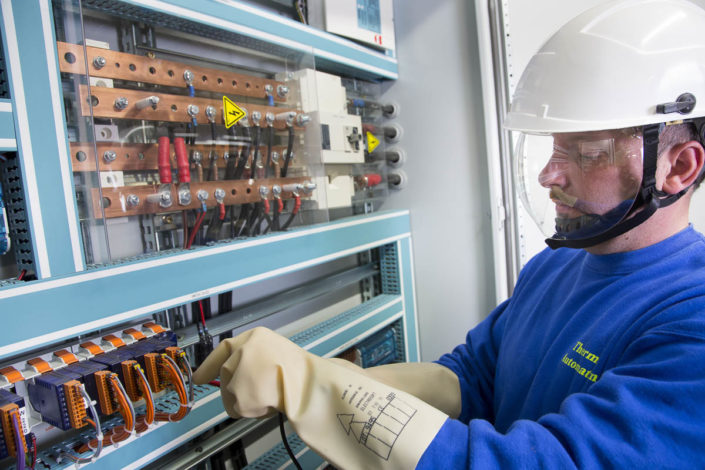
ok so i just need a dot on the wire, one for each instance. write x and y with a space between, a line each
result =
19 447
196 227
203 316
22 275
177 381
286 443
295 210
97 442
289 154
148 417
189 374
270 141
34 450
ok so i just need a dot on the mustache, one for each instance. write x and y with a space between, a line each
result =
586 207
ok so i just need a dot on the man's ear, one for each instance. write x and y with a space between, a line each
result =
685 163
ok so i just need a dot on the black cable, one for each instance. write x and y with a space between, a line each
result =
270 141
253 166
275 219
290 219
289 149
286 443
244 154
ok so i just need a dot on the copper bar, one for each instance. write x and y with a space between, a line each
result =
236 192
143 157
172 108
123 66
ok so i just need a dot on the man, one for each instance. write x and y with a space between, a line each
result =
598 358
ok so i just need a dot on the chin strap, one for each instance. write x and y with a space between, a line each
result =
648 201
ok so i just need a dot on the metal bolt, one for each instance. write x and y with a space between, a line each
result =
165 199
192 110
132 200
109 156
202 195
196 157
219 195
81 156
302 119
275 157
256 117
99 62
269 117
226 156
263 191
146 102
282 90
210 113
188 77
121 103
268 89
184 197
276 190
309 187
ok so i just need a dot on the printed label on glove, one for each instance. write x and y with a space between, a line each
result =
380 420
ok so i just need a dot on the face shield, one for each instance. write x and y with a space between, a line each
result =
578 185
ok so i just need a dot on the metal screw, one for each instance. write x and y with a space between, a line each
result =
184 197
196 157
282 90
269 117
165 199
219 195
256 117
121 103
302 119
210 113
226 156
188 77
309 187
109 156
192 110
148 101
99 62
81 156
263 191
202 195
268 89
132 200
275 157
276 190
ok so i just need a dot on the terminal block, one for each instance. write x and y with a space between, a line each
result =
9 403
75 405
130 382
152 369
48 396
87 370
113 360
106 400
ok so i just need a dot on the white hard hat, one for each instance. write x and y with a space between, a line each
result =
611 66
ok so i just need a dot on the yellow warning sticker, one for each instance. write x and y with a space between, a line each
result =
231 112
372 142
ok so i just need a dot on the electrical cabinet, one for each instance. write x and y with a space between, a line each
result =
166 172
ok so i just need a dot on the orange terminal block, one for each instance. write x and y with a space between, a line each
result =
129 376
114 340
75 404
134 333
11 374
66 356
153 327
6 417
105 396
152 368
40 365
92 348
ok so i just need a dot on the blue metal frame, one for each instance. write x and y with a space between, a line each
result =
7 127
41 135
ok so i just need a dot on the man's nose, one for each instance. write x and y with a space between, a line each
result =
554 173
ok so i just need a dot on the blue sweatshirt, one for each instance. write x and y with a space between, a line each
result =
594 362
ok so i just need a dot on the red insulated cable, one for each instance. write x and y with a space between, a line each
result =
297 205
221 213
163 161
182 160
280 205
203 317
196 227
266 206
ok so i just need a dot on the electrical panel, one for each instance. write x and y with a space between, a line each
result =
370 22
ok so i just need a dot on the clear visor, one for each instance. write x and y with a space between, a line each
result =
579 185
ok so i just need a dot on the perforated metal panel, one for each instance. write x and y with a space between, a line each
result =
277 456
17 216
389 269
4 87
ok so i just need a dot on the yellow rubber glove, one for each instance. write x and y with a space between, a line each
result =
348 418
433 383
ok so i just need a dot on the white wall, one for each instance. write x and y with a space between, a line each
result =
441 112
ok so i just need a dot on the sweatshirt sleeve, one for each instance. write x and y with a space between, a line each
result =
647 412
474 364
